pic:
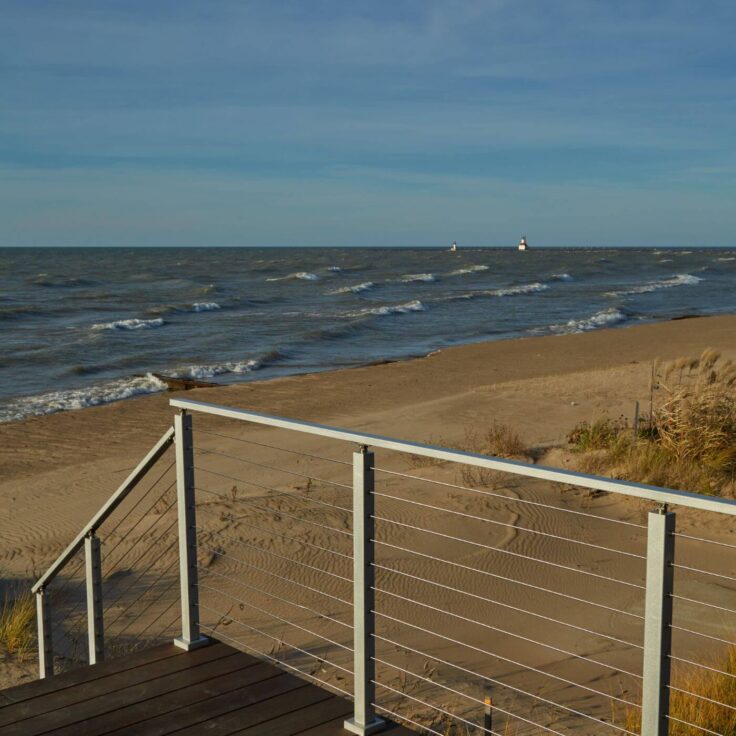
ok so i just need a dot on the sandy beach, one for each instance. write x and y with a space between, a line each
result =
55 471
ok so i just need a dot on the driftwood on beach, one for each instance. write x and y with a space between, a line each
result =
183 384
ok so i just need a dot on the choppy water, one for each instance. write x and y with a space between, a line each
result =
80 327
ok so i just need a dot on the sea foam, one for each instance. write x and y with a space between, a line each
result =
80 398
356 289
205 306
605 318
130 324
406 308
411 278
682 279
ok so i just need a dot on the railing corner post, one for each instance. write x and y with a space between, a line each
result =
658 623
364 720
185 502
45 644
93 577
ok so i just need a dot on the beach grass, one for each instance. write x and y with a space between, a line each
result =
17 623
688 440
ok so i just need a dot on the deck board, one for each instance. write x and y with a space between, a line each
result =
215 690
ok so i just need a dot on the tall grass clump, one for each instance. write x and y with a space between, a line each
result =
688 441
704 714
17 623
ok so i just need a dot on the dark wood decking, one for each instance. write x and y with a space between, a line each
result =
213 690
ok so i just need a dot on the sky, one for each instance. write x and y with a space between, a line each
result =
346 123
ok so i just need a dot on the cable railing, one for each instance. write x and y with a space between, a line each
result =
427 592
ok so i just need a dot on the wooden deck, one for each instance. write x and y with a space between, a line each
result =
213 690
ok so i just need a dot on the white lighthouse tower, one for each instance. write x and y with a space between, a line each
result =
522 243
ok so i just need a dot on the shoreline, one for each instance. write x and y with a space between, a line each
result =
177 383
438 375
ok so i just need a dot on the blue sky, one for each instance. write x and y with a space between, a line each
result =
125 122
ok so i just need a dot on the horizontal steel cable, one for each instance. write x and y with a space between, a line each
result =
145 592
702 539
275 597
140 576
507 579
439 709
240 518
270 510
281 577
205 451
508 526
502 551
705 636
276 493
701 603
273 447
495 706
113 567
508 498
486 678
693 663
701 697
504 659
509 633
279 618
174 582
505 605
393 714
140 519
276 660
693 725
282 557
704 572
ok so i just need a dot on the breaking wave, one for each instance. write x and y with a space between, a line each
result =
299 275
411 278
470 269
217 369
606 318
561 277
357 289
406 308
205 306
80 398
130 324
682 279
506 291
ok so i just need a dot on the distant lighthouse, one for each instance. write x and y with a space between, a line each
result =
522 243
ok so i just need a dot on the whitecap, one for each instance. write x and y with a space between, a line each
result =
205 306
130 324
561 277
217 369
80 398
681 279
470 269
605 318
411 278
732 258
301 275
406 308
356 289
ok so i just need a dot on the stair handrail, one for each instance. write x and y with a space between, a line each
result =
107 508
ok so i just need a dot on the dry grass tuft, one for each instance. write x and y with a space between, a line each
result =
499 440
708 716
17 623
689 439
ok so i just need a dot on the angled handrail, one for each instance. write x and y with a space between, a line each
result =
108 507
627 488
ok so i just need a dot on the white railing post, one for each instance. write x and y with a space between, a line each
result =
45 645
95 624
185 501
657 623
364 720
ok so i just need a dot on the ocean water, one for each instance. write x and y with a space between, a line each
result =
80 327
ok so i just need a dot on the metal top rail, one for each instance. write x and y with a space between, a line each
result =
110 505
583 480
